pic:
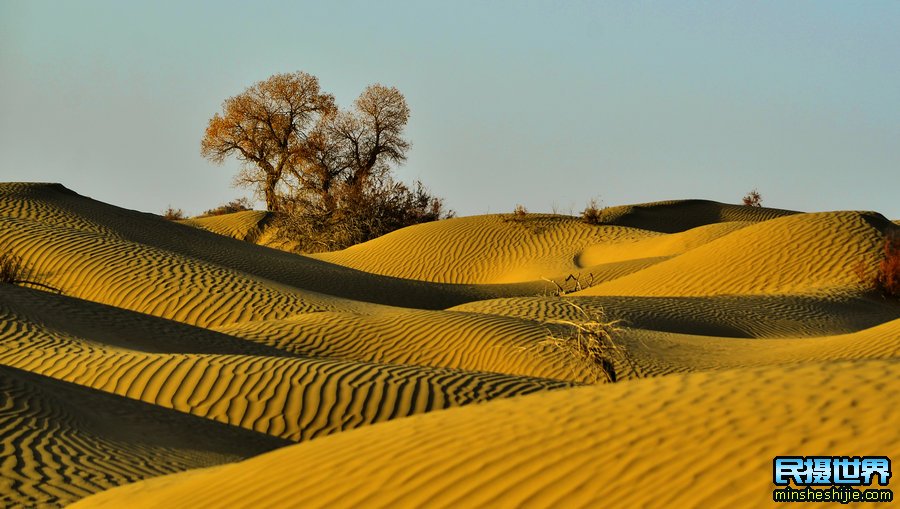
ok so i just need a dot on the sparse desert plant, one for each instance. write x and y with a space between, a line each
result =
231 207
887 280
14 271
753 199
591 343
173 214
520 210
593 213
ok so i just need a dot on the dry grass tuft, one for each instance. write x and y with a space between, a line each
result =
591 344
520 210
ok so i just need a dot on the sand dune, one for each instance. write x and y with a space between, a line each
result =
701 440
747 332
61 442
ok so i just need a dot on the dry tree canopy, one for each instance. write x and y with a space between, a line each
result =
319 164
292 138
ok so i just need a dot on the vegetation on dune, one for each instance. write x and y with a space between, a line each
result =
591 343
173 214
14 271
888 278
593 213
753 199
237 205
326 171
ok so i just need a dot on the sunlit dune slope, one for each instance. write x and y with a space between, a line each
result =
243 225
142 262
61 442
700 440
469 341
505 248
798 254
289 397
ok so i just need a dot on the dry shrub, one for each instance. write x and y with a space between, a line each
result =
591 344
520 210
593 213
753 199
173 214
238 205
12 269
887 279
357 217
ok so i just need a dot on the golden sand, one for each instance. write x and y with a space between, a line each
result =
177 347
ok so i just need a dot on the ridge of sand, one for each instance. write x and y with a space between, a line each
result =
735 316
797 254
469 341
507 248
241 225
83 246
635 444
490 249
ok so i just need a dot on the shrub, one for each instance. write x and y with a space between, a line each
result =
173 214
231 207
357 217
12 269
593 214
520 210
887 279
753 199
591 344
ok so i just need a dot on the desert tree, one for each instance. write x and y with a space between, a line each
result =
371 135
267 128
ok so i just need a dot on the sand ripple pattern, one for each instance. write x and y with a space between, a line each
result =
60 442
639 444
449 339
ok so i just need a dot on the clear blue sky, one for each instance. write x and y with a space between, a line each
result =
538 103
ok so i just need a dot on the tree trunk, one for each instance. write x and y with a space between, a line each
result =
272 203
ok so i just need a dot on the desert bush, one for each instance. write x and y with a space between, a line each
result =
753 199
591 343
520 210
12 269
356 217
887 280
173 214
231 207
593 213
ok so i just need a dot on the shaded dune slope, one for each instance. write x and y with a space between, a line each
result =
61 442
636 444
